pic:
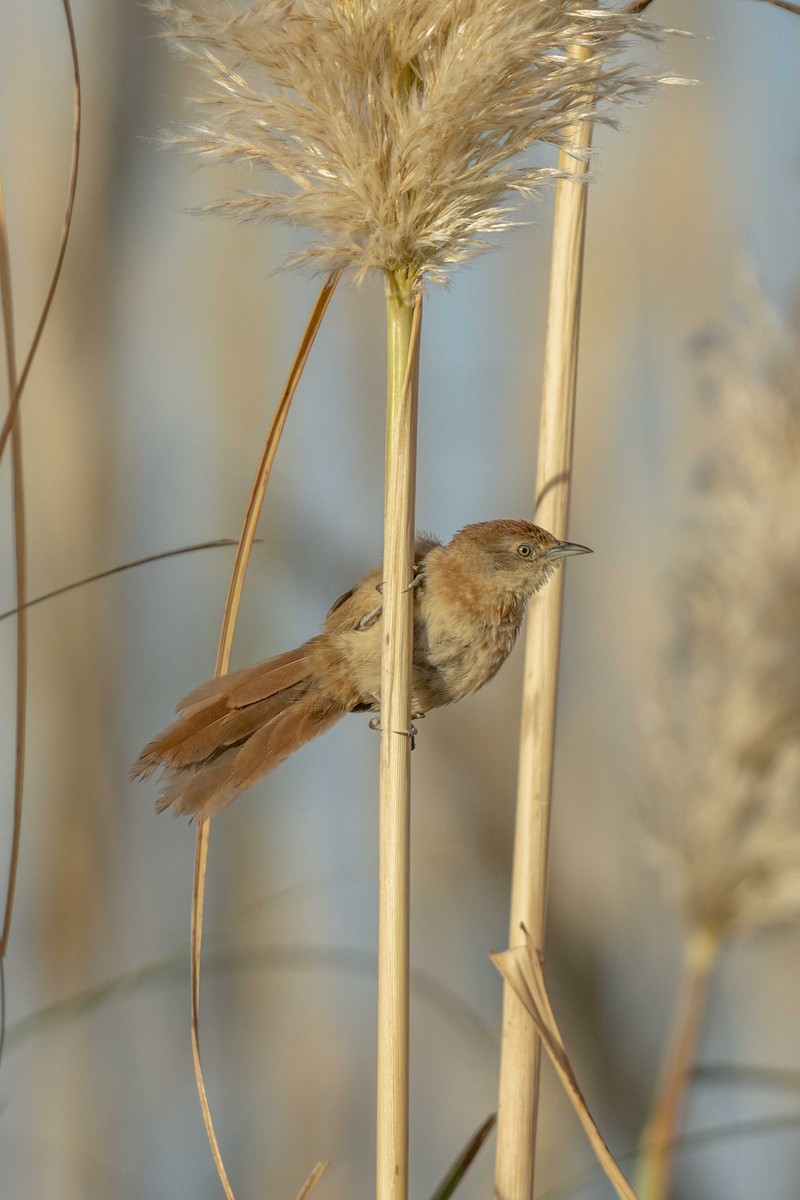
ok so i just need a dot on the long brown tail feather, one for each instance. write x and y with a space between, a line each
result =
235 730
306 719
200 791
208 730
203 789
258 682
225 710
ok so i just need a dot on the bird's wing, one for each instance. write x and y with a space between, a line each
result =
361 606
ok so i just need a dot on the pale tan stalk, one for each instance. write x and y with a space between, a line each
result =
128 566
312 1181
520 1054
16 385
661 1131
403 314
222 664
20 567
72 184
521 968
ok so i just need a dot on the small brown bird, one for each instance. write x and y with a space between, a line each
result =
469 601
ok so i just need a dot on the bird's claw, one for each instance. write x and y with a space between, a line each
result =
369 619
416 580
375 723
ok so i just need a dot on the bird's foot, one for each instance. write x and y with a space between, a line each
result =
416 581
375 723
369 619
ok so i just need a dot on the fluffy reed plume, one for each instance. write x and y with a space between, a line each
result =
395 126
727 750
728 747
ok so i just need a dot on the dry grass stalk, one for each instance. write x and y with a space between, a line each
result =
522 970
214 544
20 564
725 741
788 5
72 184
222 665
404 314
312 1181
519 1069
16 385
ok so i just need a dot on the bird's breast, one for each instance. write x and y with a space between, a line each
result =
460 643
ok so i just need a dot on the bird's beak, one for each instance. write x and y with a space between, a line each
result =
565 548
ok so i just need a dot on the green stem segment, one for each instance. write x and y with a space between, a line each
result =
403 322
661 1131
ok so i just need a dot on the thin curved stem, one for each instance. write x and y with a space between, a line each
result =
20 565
128 566
16 395
223 661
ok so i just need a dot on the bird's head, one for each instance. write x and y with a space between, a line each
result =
514 555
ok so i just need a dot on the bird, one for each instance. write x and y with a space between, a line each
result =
470 597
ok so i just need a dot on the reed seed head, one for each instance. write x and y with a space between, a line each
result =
393 129
727 751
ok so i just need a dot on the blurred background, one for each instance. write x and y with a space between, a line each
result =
168 344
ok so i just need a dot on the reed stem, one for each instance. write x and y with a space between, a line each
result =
403 314
521 1051
224 647
658 1139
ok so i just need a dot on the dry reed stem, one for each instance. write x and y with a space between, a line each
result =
342 960
787 5
522 970
659 1137
640 5
20 563
404 312
519 1066
223 660
16 385
65 227
316 1174
128 566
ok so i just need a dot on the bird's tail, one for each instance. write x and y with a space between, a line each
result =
234 730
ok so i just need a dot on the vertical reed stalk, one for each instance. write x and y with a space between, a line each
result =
21 575
658 1139
520 1053
403 314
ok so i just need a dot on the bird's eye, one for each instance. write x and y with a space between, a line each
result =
524 551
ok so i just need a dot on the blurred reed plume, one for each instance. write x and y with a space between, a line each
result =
727 746
397 125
